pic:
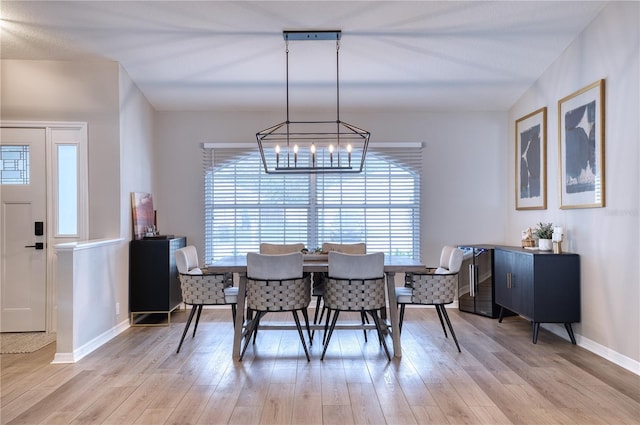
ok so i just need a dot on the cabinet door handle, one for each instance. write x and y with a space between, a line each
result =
475 279
509 281
472 291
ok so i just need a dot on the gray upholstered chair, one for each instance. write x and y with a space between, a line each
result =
275 249
318 284
355 283
434 286
277 283
200 289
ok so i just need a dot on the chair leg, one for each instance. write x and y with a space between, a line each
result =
322 313
363 317
305 314
197 320
317 319
326 327
251 327
186 327
376 320
446 316
315 314
333 325
304 345
438 307
402 306
259 315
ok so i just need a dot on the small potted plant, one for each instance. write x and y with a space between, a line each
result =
544 233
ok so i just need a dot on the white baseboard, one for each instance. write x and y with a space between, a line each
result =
598 349
92 345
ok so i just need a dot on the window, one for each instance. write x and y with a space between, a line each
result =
244 206
67 190
14 164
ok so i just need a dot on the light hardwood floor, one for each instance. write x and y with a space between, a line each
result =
499 378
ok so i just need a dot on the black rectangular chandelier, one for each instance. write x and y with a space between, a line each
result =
293 147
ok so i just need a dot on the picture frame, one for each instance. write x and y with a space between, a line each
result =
581 124
531 161
142 213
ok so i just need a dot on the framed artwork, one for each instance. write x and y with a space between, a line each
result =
581 148
531 161
143 214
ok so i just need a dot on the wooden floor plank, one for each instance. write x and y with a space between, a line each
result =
278 407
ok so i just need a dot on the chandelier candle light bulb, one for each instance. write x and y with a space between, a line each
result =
349 153
331 154
277 155
295 155
313 155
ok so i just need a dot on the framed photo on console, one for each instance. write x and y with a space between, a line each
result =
531 161
581 148
143 214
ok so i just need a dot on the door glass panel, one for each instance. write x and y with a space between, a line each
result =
67 189
14 164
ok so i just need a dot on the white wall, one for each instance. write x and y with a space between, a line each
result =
606 238
136 148
78 92
86 296
464 168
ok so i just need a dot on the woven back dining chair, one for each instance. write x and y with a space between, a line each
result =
277 283
275 249
319 278
200 289
435 286
355 283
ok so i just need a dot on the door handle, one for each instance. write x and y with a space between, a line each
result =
38 245
472 274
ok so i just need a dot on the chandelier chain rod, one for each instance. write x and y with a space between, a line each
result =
287 66
338 96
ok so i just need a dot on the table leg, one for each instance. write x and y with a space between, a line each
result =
393 312
240 313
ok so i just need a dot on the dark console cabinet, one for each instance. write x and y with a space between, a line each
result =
538 285
154 288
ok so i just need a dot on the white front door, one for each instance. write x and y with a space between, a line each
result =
24 248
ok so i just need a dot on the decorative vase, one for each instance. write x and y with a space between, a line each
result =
545 244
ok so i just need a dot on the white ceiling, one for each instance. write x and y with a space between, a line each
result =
214 55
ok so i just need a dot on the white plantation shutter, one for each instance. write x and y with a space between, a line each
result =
244 206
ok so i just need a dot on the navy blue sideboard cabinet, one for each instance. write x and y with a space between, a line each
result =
154 287
538 285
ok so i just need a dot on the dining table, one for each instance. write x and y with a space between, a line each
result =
316 264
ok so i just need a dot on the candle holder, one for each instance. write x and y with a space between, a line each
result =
558 234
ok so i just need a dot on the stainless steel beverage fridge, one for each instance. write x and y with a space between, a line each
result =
476 292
